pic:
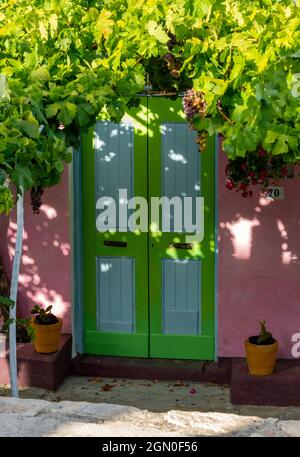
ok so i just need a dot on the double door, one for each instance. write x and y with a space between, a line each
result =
148 278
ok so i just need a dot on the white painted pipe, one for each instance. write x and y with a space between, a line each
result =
13 296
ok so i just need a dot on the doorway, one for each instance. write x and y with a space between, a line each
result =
147 293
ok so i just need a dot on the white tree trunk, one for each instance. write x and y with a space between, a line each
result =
13 296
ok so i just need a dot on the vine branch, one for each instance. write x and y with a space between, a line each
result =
219 106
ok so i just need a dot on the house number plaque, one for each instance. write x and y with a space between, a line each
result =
275 193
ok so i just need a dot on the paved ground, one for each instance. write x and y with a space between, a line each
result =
25 417
120 407
154 396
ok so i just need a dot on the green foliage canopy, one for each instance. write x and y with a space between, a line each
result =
53 83
244 53
63 62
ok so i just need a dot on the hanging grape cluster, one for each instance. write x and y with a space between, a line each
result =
202 140
194 104
173 64
36 199
172 41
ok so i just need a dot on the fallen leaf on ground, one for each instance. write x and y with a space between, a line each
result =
193 391
180 384
107 387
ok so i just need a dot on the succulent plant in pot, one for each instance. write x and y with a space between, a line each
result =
47 329
261 351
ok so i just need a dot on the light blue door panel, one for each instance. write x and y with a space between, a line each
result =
180 166
115 294
113 145
181 296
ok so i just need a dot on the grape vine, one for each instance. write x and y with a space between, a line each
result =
64 63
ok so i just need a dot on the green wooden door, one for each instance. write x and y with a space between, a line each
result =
144 295
181 273
114 156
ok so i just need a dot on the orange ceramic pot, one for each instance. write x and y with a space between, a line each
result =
46 337
261 358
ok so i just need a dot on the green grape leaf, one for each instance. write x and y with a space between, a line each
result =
157 31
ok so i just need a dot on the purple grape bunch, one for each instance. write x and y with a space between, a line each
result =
36 199
194 104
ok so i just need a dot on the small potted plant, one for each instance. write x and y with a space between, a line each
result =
47 330
261 351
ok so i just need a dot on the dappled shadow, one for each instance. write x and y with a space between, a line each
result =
45 271
259 266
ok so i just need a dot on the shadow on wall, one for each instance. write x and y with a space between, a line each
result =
45 272
259 266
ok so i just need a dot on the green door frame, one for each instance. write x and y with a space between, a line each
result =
76 239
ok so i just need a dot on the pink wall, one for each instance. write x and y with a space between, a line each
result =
259 270
259 266
45 273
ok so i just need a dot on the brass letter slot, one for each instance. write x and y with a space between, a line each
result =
115 244
181 245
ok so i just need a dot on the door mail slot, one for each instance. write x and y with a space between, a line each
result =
181 245
115 244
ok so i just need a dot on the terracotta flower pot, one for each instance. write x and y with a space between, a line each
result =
46 337
261 358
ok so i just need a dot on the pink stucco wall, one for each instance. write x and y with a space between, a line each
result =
259 266
45 272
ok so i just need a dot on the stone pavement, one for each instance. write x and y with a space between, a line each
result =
33 417
155 396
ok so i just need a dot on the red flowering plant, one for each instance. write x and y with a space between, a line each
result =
259 168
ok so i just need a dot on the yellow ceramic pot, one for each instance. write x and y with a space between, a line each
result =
46 337
261 358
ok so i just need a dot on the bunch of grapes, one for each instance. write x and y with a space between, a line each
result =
173 65
172 41
202 140
36 199
194 104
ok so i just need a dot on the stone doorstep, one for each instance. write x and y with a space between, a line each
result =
40 370
160 369
282 388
